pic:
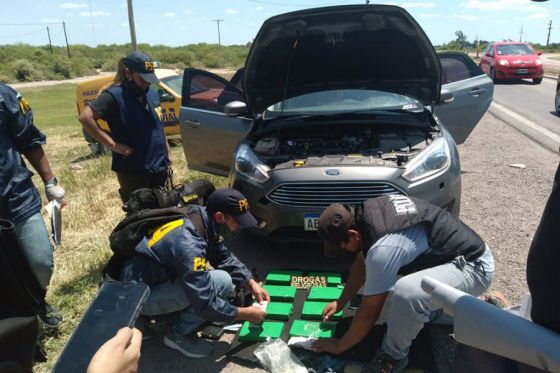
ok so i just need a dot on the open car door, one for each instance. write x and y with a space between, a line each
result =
209 136
472 94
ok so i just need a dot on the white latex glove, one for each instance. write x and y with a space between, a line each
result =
54 192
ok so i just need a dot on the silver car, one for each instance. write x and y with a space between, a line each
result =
337 104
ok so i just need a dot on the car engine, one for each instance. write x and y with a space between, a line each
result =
368 145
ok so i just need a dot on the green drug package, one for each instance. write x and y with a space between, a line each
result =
280 293
302 328
314 311
279 310
324 293
333 279
279 277
260 332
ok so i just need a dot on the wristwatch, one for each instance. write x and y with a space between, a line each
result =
52 182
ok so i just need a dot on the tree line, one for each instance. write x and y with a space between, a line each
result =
24 62
461 42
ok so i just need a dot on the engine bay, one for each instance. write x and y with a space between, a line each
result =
368 145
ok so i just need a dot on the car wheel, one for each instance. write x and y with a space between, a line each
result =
493 75
557 101
537 80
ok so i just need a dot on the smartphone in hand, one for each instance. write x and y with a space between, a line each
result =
116 305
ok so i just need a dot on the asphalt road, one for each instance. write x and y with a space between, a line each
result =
502 203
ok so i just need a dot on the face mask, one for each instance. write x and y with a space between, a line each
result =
137 91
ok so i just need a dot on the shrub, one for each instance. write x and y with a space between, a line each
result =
25 71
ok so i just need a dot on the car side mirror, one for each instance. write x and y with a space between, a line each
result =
488 55
166 97
539 53
446 96
235 108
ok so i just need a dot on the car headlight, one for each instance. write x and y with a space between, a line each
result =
538 62
503 63
249 165
435 158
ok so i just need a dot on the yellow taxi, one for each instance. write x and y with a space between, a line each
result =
168 89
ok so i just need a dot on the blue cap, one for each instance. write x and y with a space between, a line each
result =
142 64
232 202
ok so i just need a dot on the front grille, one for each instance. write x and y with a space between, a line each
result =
322 194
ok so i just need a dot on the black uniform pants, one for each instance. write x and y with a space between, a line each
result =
130 182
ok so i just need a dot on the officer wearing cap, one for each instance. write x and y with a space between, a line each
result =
397 241
137 140
174 261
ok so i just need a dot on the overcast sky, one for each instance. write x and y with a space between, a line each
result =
175 22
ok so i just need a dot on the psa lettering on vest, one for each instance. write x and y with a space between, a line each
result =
403 205
200 264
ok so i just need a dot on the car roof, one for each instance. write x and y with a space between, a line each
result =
510 42
164 73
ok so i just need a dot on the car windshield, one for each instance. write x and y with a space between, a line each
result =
514 49
174 82
342 101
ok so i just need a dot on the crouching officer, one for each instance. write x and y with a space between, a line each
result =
399 236
173 260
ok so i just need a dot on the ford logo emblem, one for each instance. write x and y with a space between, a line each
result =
333 172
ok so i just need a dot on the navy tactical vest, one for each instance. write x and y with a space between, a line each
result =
448 236
140 128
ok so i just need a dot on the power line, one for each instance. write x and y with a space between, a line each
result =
21 35
31 24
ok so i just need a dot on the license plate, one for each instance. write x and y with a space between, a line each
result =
310 221
522 71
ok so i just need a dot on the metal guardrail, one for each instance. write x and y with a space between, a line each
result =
489 328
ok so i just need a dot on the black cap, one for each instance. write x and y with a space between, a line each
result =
232 202
333 226
142 64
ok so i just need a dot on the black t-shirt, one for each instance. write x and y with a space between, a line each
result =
106 107
543 264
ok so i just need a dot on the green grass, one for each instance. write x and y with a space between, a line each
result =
93 210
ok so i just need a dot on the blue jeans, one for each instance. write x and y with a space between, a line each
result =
169 297
35 243
408 308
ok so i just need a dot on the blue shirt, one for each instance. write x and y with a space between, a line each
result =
19 198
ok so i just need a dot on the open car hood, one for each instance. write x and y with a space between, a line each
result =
379 47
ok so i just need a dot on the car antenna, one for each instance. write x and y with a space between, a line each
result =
285 93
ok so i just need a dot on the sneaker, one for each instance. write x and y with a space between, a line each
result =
189 345
50 316
383 363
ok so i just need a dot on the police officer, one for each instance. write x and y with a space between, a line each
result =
19 199
399 236
174 261
137 140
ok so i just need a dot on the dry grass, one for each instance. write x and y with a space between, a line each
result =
94 208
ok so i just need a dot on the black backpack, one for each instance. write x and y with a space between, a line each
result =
132 229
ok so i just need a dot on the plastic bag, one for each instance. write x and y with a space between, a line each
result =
277 357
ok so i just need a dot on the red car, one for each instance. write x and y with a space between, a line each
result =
508 60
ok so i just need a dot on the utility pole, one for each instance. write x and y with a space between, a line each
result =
218 23
477 44
549 28
521 34
66 38
49 35
132 26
